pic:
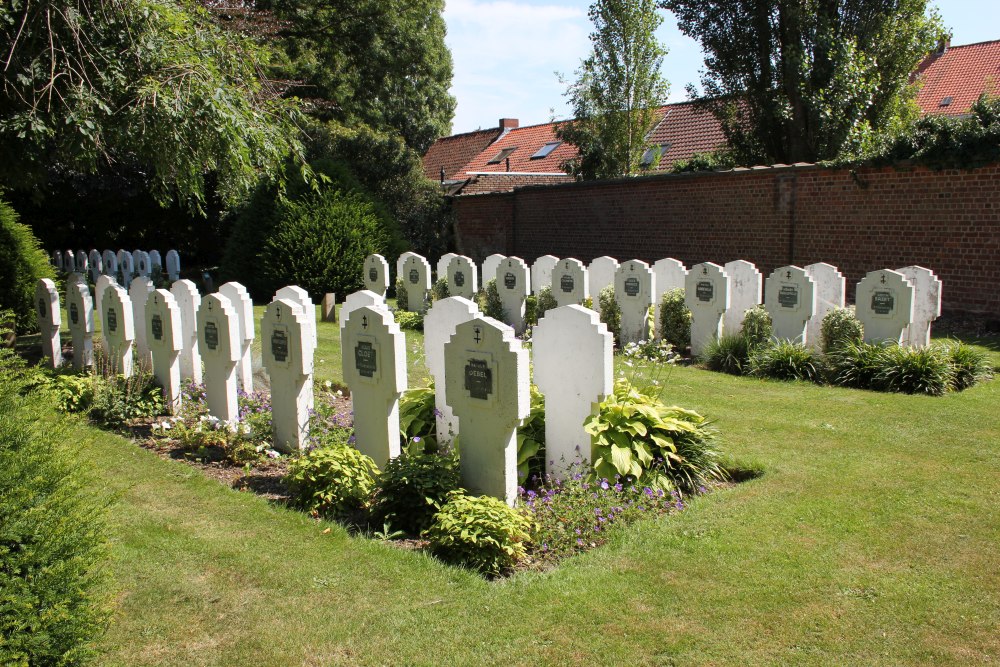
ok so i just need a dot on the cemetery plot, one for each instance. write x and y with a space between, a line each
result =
706 294
462 277
884 304
790 301
634 288
376 274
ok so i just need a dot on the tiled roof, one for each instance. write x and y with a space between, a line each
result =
525 141
454 152
962 73
685 131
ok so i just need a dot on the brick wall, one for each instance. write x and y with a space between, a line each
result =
874 218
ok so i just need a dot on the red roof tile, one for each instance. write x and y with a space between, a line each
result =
454 152
962 73
685 131
526 141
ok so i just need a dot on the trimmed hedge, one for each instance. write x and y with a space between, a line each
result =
22 264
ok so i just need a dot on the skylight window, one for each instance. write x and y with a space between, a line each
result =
947 101
502 155
545 150
653 155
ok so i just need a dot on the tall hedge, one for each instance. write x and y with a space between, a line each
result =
22 264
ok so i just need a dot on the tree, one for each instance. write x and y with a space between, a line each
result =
618 90
807 80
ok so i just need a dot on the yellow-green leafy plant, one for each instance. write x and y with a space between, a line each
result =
334 482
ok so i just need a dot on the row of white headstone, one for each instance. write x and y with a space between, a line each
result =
176 332
123 264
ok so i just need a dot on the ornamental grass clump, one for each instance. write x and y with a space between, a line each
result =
914 370
969 366
856 364
729 353
785 360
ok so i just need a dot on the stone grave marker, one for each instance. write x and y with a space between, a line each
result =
301 297
706 294
374 361
75 277
569 282
789 297
165 337
400 261
884 304
513 283
96 265
69 261
57 259
440 323
356 300
188 302
376 274
573 354
328 307
82 261
219 343
441 268
118 328
829 288
155 261
140 258
490 265
173 265
635 285
416 277
138 293
462 277
601 273
288 357
926 305
102 284
541 272
80 309
49 321
745 292
126 268
109 262
670 274
241 301
487 386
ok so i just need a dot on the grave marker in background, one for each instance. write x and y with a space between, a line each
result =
126 268
57 259
141 260
155 261
296 294
356 300
634 289
109 261
670 274
138 293
240 298
118 329
96 265
288 357
173 265
440 323
400 261
829 287
926 305
600 274
80 311
416 277
103 282
490 265
790 301
328 307
49 320
541 272
165 339
188 302
569 282
376 274
82 261
745 292
706 294
219 344
462 277
513 283
441 268
884 304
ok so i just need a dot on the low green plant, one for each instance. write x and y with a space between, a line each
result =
969 365
74 393
412 489
914 370
117 399
839 328
531 440
439 290
402 298
757 327
675 319
855 364
491 304
334 482
610 312
531 310
407 320
785 360
546 301
729 353
481 533
418 420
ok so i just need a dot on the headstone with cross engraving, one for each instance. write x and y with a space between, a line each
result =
109 262
165 338
400 261
118 328
884 304
569 282
441 268
188 302
487 385
573 354
102 284
173 265
926 305
513 283
240 298
139 292
376 274
219 343
80 309
49 321
541 272
706 294
374 359
416 278
635 285
600 274
670 274
288 357
789 297
126 268
296 294
82 261
357 300
442 319
96 265
745 292
829 287
462 277
490 265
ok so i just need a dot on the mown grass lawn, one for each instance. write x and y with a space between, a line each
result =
871 538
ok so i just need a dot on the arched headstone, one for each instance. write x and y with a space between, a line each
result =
356 300
118 328
884 304
57 259
96 267
188 302
745 292
155 261
829 288
288 357
296 294
218 341
926 305
173 265
600 274
164 336
706 294
440 323
541 272
789 297
109 262
513 284
82 261
441 268
670 274
490 265
80 309
139 292
462 280
416 278
102 284
569 282
49 320
635 285
126 268
140 259
240 298
401 260
376 274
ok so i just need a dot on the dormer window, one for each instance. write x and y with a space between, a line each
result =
546 149
946 101
502 155
653 154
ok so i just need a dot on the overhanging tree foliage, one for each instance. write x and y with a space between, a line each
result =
808 80
618 90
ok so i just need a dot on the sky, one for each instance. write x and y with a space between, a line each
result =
507 54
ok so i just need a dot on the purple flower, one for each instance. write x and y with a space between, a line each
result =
604 484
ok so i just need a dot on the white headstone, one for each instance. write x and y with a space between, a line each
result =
109 262
439 326
240 298
80 308
541 272
155 261
118 329
706 294
513 284
569 282
441 268
401 260
173 265
573 356
288 357
745 292
829 287
82 261
126 267
356 300
49 320
75 277
296 294
926 305
635 285
789 297
140 259
601 273
490 265
376 274
96 265
164 335
102 284
57 259
462 279
188 302
416 277
139 292
884 304
69 261
487 386
670 274
218 341
374 360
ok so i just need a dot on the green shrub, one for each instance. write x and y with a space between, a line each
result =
439 290
117 399
611 312
418 420
407 320
492 306
840 327
856 364
334 482
74 393
402 298
546 301
729 353
22 264
481 533
969 366
531 440
914 370
531 310
757 327
785 360
413 488
675 319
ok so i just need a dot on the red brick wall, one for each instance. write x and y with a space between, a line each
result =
947 221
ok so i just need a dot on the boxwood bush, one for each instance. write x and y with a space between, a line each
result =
22 264
675 319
